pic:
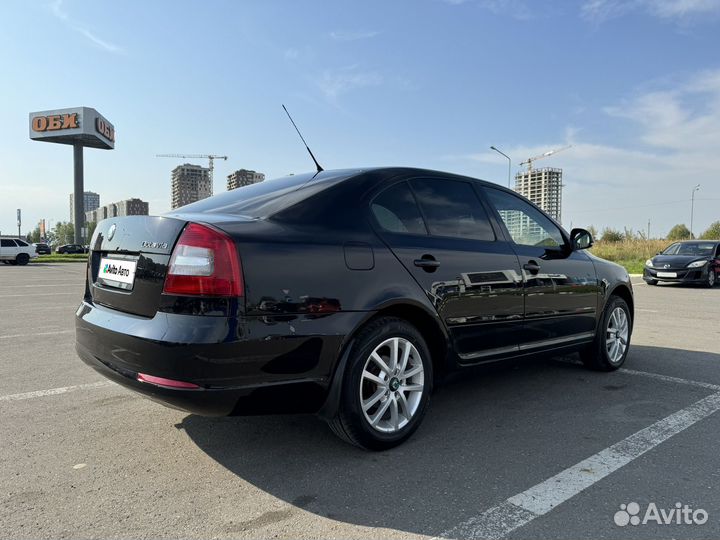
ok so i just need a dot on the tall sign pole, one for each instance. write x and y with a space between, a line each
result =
79 193
79 127
19 220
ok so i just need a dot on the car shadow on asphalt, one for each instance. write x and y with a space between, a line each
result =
487 436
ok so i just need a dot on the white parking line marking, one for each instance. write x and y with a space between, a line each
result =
520 509
55 391
33 334
668 378
40 294
46 284
73 307
647 310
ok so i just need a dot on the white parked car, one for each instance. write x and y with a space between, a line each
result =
16 251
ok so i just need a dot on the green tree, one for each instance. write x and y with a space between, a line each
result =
611 235
679 232
712 232
34 236
63 233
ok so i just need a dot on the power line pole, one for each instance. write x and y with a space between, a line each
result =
692 209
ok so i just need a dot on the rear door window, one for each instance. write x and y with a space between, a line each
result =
396 210
6 242
452 208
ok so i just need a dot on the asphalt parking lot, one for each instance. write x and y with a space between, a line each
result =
533 450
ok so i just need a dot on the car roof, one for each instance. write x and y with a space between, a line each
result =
399 170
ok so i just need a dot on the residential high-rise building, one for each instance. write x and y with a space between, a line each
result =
243 177
128 207
544 188
91 202
190 183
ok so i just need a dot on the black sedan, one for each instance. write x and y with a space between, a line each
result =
690 261
70 248
42 249
347 293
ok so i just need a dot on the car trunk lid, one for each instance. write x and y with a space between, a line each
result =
129 260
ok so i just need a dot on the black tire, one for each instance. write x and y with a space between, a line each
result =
13 263
596 356
350 423
22 259
651 281
711 278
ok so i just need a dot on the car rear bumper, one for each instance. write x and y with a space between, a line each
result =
241 365
685 275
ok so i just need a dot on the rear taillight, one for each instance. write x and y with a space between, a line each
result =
204 263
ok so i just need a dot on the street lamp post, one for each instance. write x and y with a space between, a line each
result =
692 208
509 161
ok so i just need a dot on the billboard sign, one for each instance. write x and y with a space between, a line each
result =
70 126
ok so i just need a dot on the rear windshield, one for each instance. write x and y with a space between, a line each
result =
269 196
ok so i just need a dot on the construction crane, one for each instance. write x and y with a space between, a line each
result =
210 157
529 161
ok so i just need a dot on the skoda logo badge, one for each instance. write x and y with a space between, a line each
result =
111 231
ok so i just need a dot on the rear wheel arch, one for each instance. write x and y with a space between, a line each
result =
429 327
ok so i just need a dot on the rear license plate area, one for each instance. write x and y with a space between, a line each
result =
117 273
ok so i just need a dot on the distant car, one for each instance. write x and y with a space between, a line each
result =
70 248
42 249
15 251
689 261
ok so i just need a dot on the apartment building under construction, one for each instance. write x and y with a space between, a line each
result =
544 188
190 183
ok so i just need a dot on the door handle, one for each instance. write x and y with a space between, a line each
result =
532 267
427 262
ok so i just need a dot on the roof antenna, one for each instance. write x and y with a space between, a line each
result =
319 168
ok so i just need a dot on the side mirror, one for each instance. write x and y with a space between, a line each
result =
581 239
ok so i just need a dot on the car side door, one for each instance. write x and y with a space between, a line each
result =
561 288
6 248
440 231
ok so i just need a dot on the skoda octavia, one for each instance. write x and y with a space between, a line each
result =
346 293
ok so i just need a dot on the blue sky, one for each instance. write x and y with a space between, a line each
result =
633 86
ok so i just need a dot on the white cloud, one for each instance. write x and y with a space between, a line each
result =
291 54
652 178
335 83
517 9
57 10
602 10
353 36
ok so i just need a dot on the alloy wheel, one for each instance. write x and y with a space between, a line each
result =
391 385
617 334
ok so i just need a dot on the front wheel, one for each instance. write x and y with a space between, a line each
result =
711 278
386 385
610 348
